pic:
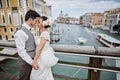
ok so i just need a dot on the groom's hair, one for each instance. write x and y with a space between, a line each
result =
31 14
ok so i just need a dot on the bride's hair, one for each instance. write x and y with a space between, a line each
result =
45 21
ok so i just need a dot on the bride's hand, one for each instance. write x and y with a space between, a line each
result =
35 65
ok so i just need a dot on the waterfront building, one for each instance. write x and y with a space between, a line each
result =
96 20
104 19
41 7
48 10
12 15
61 18
68 20
64 18
87 19
73 20
92 19
113 18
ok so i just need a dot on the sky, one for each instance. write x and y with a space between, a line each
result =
77 8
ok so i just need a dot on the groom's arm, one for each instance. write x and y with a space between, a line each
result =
20 39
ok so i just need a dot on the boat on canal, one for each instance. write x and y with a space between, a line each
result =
82 40
108 40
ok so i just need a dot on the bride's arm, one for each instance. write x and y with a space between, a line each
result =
39 49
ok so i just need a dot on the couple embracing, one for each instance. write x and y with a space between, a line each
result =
36 57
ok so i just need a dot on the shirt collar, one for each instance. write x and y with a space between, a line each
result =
26 26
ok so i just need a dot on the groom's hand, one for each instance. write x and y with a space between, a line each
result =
35 65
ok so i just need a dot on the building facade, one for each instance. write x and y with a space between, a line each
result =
12 14
113 18
64 18
92 19
104 19
96 19
87 19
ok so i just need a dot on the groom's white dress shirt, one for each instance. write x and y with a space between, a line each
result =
20 39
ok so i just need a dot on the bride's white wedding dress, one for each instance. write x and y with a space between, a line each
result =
46 60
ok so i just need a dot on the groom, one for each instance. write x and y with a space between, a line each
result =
25 44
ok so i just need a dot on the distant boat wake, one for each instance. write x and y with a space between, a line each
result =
87 30
80 40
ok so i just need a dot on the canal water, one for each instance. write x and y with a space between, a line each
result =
70 33
69 36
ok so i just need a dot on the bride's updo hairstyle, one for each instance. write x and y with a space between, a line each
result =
45 21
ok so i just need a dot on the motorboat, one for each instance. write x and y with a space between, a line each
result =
108 40
82 40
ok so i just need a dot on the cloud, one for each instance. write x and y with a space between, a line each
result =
104 4
66 3
78 7
83 4
105 0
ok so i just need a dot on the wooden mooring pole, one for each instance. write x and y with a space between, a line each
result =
96 63
94 74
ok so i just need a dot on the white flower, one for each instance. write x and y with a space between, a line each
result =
46 22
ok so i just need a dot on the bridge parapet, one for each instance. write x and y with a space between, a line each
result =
95 54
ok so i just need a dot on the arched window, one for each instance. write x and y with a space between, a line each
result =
11 29
12 36
0 3
119 22
20 4
6 37
8 3
21 19
26 2
10 20
16 29
5 29
0 37
3 18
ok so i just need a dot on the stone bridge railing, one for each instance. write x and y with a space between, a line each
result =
95 54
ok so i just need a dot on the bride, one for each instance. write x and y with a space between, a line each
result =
44 57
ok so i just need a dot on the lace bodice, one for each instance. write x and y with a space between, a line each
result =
46 35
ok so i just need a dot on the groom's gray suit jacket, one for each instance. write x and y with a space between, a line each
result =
30 43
